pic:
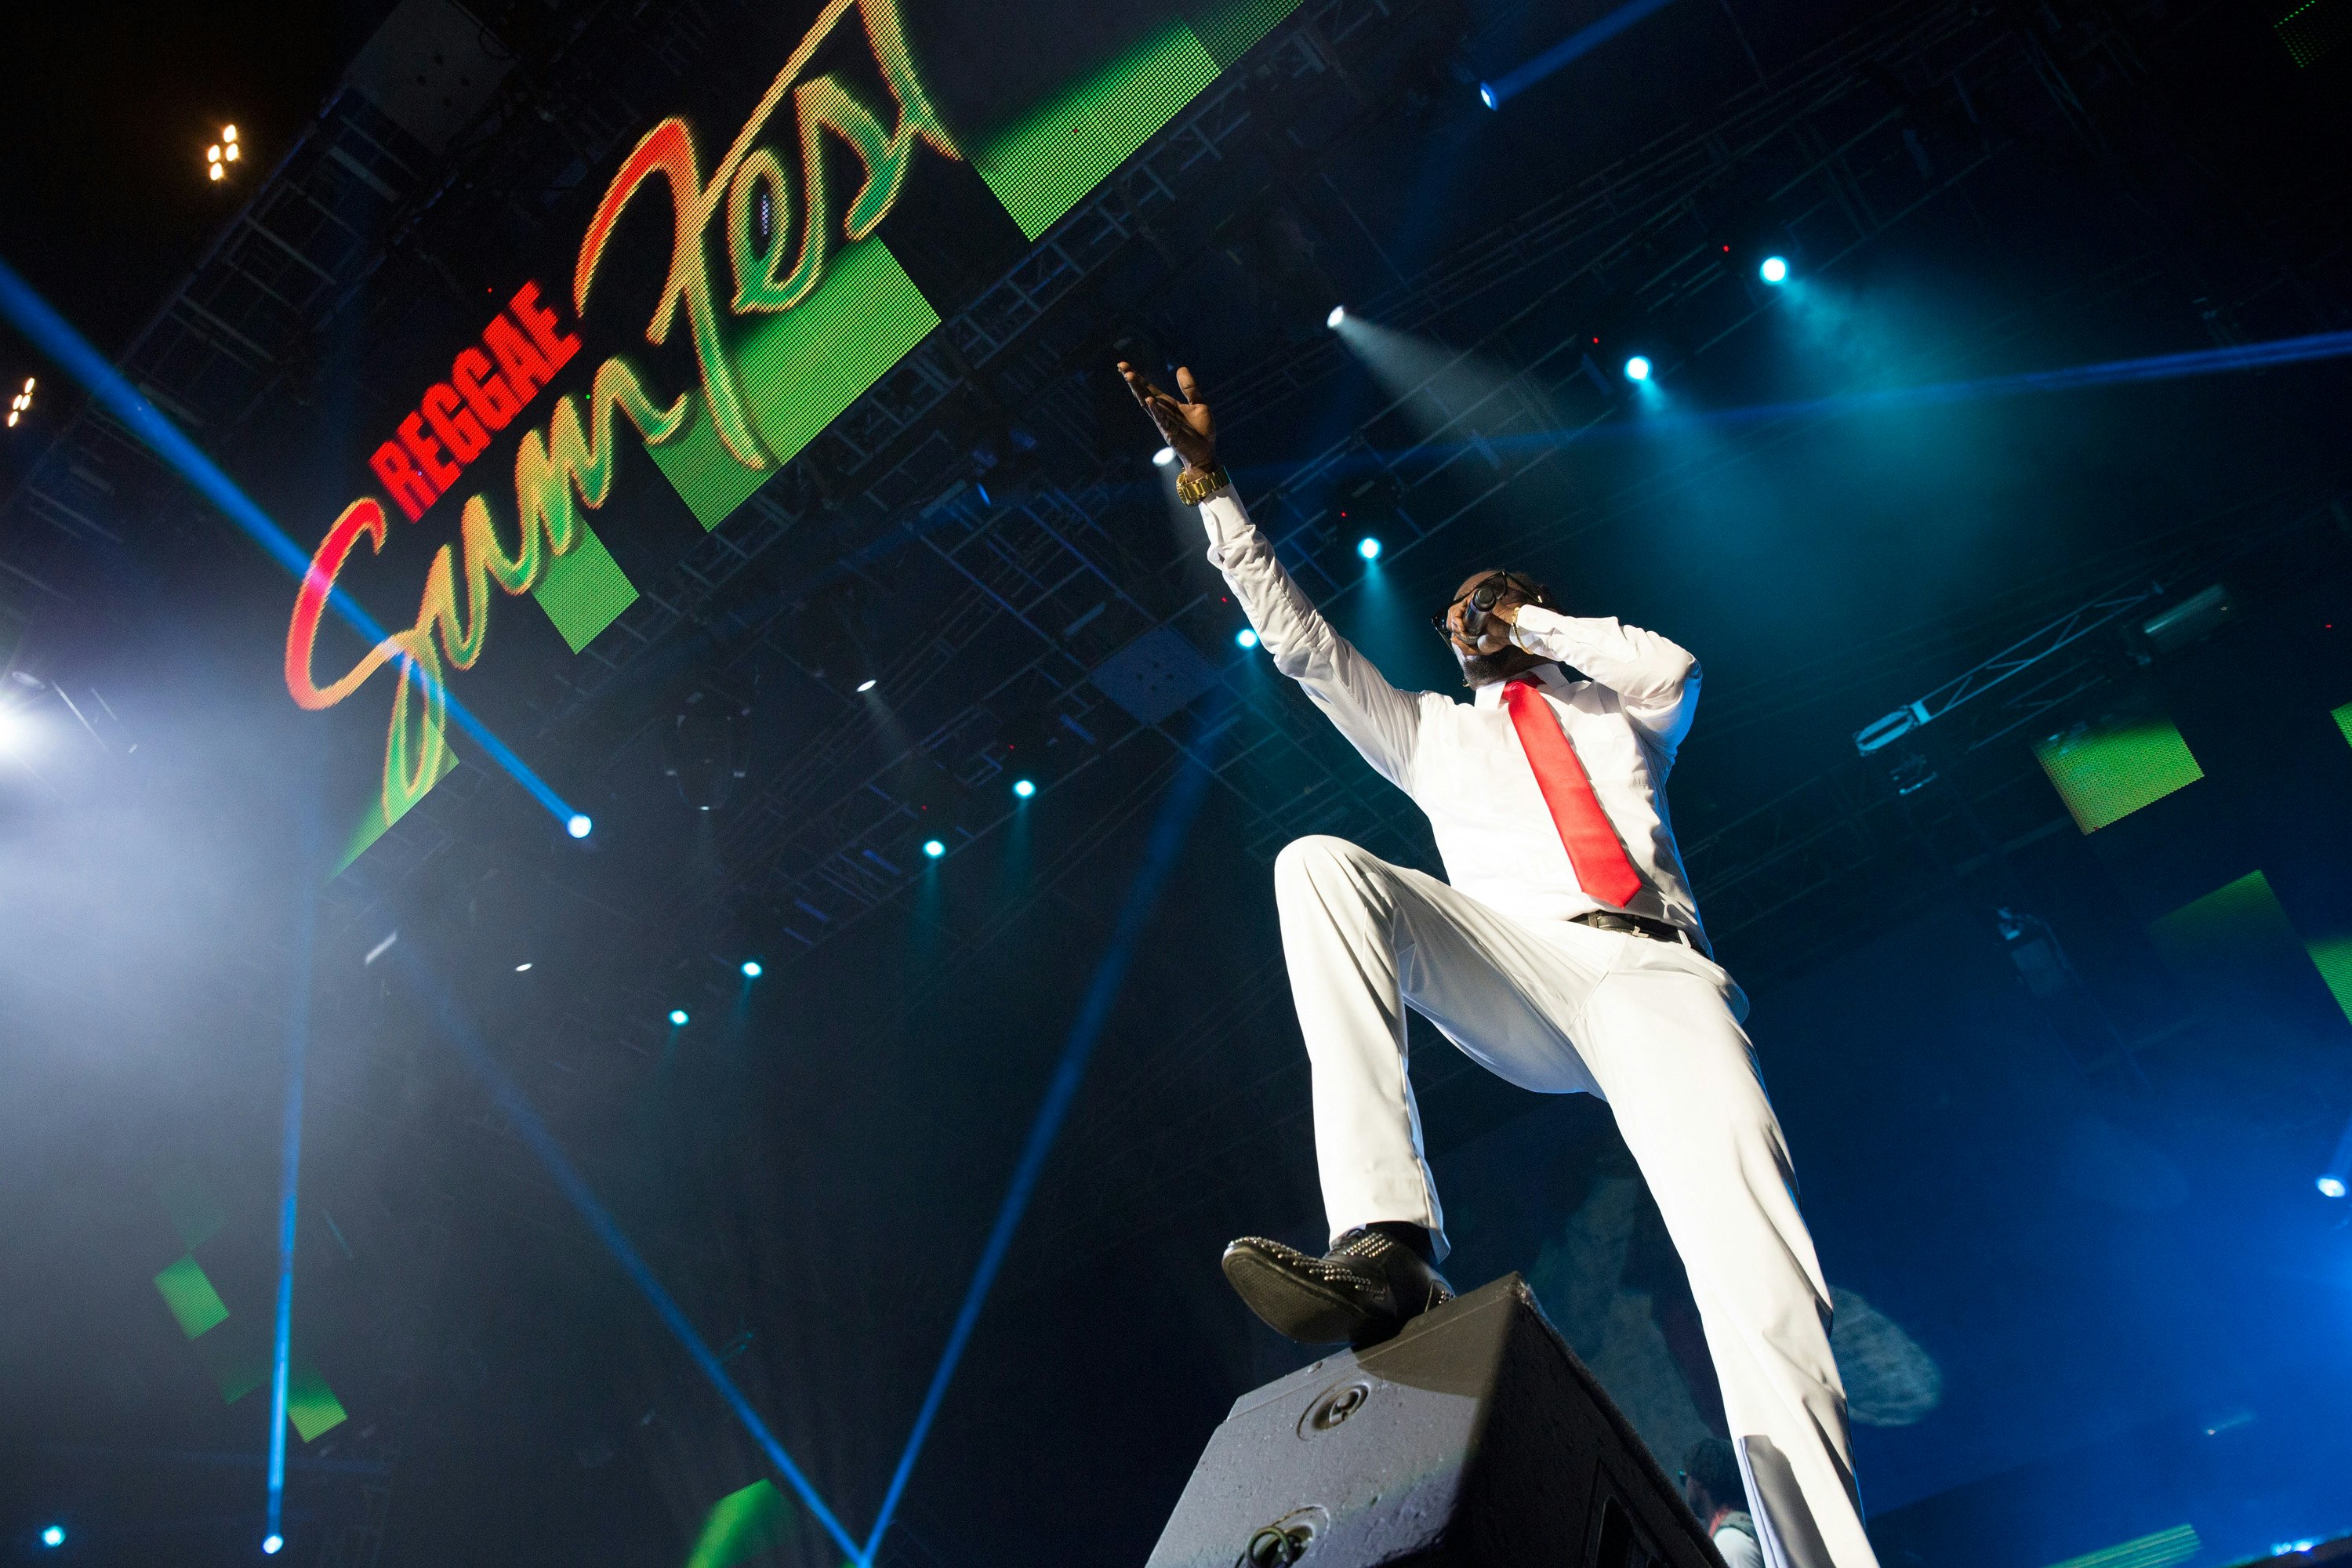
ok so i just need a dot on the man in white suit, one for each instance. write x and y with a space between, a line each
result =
1564 952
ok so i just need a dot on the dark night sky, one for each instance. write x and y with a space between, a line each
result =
118 103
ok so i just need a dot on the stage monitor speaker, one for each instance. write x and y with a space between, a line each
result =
1473 1438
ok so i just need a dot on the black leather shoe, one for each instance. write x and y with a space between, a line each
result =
1363 1290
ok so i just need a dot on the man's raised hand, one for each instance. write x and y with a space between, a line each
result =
1184 422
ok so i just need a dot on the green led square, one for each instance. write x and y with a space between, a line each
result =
2343 717
1044 163
1227 30
310 1406
2333 956
238 1356
2237 918
2313 28
195 1304
373 826
2104 776
584 590
744 1525
2162 1549
798 370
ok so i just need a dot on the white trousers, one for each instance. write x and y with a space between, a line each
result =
1559 1007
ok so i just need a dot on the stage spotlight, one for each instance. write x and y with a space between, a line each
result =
1163 458
677 1018
1369 548
579 825
522 969
271 1544
1024 788
54 1536
934 848
1774 270
1339 315
1487 96
1637 368
751 970
2331 1186
1245 638
867 684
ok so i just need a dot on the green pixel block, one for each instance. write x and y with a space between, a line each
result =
2333 955
1227 30
2343 717
238 1356
372 825
2104 776
310 1406
1044 162
744 1525
2162 1549
195 1304
798 370
584 590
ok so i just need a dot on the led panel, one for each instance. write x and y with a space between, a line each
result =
584 590
2313 28
372 825
195 1306
2343 717
1045 162
2333 956
2162 1549
744 1525
798 369
310 1406
2104 776
1228 30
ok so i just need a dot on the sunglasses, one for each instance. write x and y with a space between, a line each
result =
1481 602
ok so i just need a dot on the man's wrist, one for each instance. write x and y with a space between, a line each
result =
1197 484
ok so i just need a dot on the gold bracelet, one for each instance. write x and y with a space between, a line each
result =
1192 491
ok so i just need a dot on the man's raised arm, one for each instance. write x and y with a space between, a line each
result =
1380 722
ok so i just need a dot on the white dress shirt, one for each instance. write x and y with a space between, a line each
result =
1462 762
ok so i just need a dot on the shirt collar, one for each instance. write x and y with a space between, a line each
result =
1550 676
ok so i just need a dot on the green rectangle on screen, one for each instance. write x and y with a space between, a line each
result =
2343 717
1228 29
373 826
1045 162
2162 1549
195 1304
744 1525
2333 955
2104 776
584 590
238 1356
2240 917
799 369
311 1404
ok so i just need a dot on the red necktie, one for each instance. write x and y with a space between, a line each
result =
1602 866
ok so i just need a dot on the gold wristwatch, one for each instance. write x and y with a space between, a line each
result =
1195 489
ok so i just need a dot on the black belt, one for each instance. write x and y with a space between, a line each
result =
1637 925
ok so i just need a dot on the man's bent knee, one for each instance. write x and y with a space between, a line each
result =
1307 861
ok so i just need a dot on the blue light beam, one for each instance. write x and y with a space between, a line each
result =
524 1118
290 1174
1583 41
55 336
1168 835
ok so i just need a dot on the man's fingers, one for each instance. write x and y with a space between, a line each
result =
1186 384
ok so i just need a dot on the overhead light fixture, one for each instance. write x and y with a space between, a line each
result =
1774 270
1488 96
54 1536
2331 1186
272 1544
1245 638
1024 788
1163 458
1339 315
677 1018
522 968
579 825
751 970
934 848
867 684
1369 548
1638 368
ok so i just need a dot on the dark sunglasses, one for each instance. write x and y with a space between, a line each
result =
1481 601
